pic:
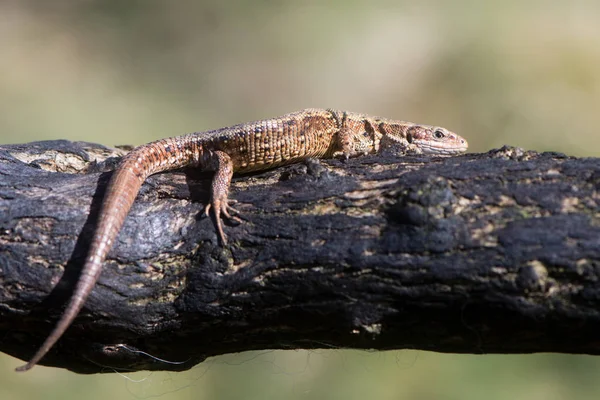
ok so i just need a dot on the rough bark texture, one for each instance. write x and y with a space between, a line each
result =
483 253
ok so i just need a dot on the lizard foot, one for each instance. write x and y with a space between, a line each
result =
222 207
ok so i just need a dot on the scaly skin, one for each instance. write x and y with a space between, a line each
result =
260 145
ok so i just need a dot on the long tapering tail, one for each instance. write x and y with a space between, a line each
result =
143 161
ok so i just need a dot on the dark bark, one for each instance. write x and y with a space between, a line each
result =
483 253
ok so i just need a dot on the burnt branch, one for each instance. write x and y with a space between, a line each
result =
483 253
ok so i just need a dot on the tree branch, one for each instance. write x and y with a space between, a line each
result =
483 253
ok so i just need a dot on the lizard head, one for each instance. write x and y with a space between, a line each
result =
423 139
436 140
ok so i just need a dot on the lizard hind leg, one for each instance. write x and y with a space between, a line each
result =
219 202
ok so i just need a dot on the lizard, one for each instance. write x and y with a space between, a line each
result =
253 146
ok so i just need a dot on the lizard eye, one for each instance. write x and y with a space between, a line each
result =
438 134
366 134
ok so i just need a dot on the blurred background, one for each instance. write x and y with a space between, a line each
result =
524 73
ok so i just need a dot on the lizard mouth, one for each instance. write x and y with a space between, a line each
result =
428 147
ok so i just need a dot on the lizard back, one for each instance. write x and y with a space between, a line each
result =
277 141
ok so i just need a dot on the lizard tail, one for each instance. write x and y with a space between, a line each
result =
165 154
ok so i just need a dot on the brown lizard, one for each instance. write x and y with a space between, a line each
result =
260 145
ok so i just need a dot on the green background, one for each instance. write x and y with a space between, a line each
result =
524 73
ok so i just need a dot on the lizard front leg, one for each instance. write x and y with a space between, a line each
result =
345 139
353 142
221 163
